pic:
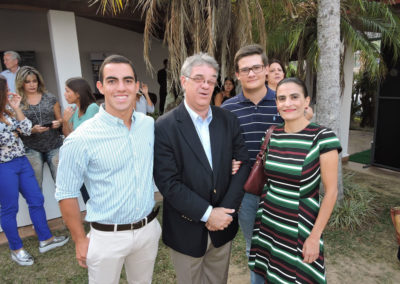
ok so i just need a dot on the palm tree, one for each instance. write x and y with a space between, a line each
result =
292 31
219 27
328 75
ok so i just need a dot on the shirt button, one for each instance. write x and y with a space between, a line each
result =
215 191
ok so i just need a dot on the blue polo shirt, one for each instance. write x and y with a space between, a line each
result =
254 119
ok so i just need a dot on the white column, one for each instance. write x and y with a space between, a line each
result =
65 49
345 100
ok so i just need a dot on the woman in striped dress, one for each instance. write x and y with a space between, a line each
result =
287 245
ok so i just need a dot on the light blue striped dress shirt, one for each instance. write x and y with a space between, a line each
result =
116 165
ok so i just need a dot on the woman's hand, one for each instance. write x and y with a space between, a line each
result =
145 89
14 100
235 166
56 123
311 249
39 129
68 113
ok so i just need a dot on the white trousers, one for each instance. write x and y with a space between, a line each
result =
109 251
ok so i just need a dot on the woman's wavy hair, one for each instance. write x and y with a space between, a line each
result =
20 79
4 99
81 87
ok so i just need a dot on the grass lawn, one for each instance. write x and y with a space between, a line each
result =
60 266
363 157
367 255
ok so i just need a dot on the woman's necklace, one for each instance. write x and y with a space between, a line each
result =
34 112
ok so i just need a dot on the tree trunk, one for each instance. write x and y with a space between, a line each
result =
328 75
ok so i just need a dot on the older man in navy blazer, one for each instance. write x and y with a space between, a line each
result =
194 147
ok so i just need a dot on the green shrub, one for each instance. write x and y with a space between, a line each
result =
356 209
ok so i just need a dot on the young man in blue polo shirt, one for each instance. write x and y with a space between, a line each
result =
256 109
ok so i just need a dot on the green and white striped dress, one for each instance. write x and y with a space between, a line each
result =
289 206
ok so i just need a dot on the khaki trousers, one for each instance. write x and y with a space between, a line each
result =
212 268
136 249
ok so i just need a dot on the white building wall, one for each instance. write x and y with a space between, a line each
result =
64 46
345 108
102 39
28 31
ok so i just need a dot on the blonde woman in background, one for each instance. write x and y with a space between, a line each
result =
43 109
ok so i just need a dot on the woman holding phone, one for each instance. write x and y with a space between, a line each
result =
43 109
17 177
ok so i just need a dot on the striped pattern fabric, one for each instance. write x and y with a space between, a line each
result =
254 119
289 206
116 165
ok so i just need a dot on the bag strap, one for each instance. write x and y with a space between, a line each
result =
266 139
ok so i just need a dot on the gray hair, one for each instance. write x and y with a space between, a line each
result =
197 60
14 55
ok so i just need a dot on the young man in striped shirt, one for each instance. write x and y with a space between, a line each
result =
113 154
256 109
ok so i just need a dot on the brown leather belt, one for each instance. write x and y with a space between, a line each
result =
124 227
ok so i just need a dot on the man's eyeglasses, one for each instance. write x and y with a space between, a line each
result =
255 68
200 79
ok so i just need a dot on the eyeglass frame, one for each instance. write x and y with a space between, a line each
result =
202 80
241 71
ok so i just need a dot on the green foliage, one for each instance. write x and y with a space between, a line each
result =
356 209
291 70
365 90
291 28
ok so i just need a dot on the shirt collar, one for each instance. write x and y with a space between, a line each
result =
8 71
104 115
194 116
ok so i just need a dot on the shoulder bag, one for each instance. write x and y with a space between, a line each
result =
256 180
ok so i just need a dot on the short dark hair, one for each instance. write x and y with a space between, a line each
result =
277 61
81 86
295 80
115 58
250 50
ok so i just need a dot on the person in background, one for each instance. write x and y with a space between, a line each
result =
162 81
43 109
275 73
11 61
227 92
79 93
143 101
16 177
287 245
